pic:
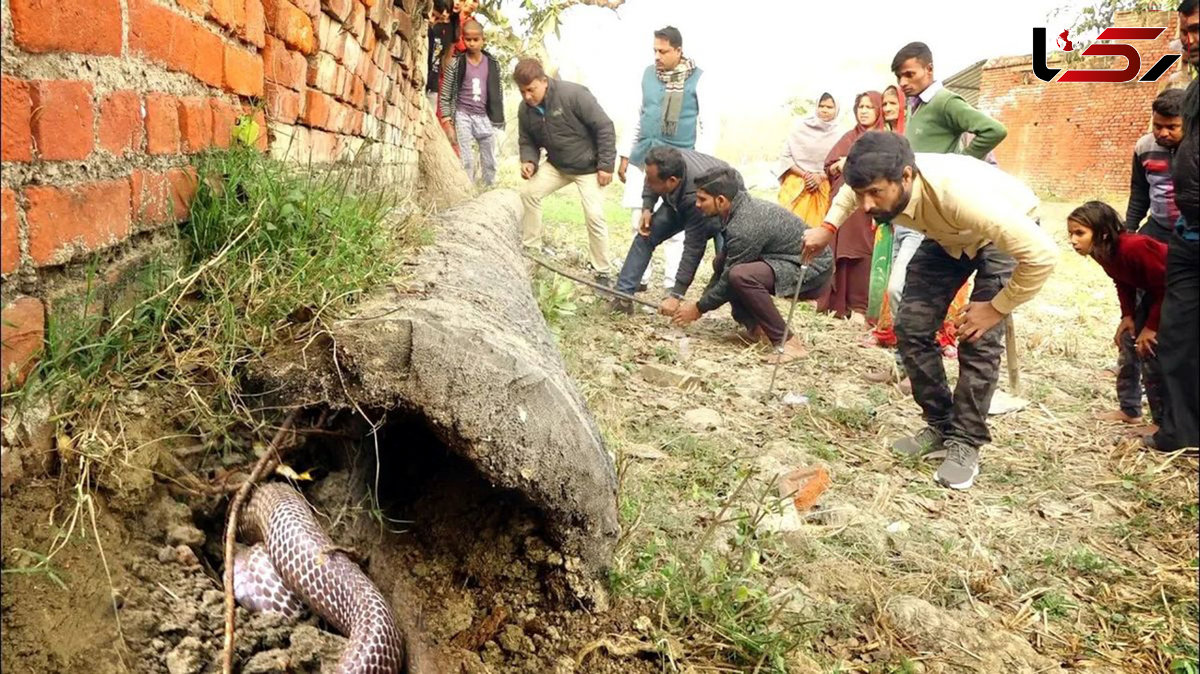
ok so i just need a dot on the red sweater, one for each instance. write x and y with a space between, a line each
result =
1140 263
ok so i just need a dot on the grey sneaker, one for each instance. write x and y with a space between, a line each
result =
927 443
960 467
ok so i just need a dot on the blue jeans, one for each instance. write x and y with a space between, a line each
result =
664 224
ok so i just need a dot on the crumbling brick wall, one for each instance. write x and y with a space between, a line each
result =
1075 140
104 101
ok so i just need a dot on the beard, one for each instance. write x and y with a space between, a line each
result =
890 214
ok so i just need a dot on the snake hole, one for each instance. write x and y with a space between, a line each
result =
458 558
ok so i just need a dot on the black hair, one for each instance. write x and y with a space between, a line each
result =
1188 6
1106 226
824 96
720 181
668 160
443 5
1169 103
912 50
671 34
527 71
878 154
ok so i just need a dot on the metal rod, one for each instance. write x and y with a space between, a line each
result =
591 284
786 327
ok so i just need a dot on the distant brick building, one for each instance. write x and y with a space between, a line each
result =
1074 140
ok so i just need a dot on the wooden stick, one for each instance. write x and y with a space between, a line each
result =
265 463
786 328
591 284
1010 348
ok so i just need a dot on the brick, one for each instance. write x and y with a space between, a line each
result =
200 7
162 35
62 119
22 333
60 220
162 198
10 237
357 23
243 71
208 64
404 25
352 56
283 104
323 73
310 7
317 107
369 40
16 108
284 66
195 124
337 8
229 13
224 116
92 27
121 123
162 124
358 92
255 29
263 137
288 23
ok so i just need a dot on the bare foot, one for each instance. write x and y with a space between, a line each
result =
792 350
751 337
1119 416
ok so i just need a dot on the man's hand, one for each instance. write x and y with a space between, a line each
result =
644 225
1147 342
976 320
815 240
527 170
1125 326
669 306
837 166
623 168
686 314
604 178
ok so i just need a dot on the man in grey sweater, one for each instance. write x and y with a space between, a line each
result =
764 243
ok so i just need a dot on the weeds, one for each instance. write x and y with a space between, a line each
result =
556 299
267 254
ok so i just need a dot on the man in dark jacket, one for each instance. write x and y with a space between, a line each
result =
764 243
566 121
670 174
1178 347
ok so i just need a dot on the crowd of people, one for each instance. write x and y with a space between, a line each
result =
906 219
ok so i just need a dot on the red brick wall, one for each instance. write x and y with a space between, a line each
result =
104 101
1074 140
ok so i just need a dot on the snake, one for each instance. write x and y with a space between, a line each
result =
291 564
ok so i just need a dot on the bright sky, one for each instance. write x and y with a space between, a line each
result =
764 52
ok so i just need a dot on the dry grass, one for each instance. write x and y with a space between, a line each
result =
1073 538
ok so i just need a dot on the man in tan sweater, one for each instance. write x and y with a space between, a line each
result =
976 219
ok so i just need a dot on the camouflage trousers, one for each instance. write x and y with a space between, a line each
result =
1135 372
933 279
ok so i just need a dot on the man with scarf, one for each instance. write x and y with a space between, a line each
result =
675 111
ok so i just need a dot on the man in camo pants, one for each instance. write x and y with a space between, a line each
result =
975 218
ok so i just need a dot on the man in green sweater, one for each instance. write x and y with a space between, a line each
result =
937 119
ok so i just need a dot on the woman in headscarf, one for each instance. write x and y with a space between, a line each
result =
803 186
848 293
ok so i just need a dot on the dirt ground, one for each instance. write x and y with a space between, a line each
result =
1075 550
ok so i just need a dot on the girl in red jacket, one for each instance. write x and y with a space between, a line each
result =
1137 265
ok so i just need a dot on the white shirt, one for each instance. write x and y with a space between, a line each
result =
931 91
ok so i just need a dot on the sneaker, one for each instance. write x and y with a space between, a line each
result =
603 278
961 466
927 443
643 287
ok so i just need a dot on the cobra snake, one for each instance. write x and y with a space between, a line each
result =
291 563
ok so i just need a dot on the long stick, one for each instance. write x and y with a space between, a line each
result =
1010 348
265 463
591 284
786 327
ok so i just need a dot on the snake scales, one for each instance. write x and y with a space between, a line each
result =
292 563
